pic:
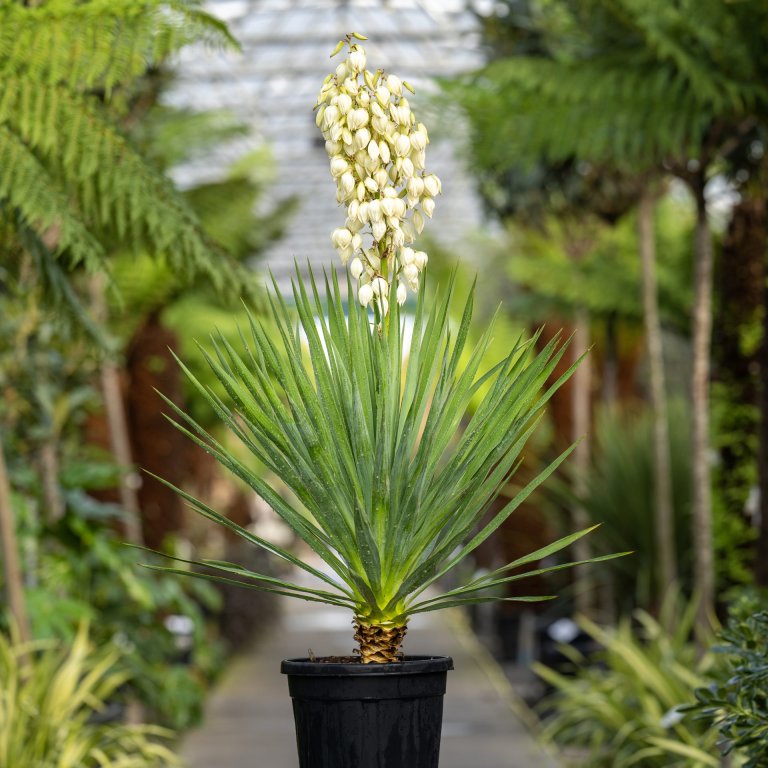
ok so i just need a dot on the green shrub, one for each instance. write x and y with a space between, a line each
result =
49 697
736 705
624 708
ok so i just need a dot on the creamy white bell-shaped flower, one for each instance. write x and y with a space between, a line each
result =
380 286
357 59
361 191
420 260
347 183
379 229
364 99
432 185
400 207
407 256
373 150
371 185
330 116
381 177
388 206
402 293
402 146
341 237
335 131
415 187
365 294
410 272
356 268
344 102
344 254
418 222
351 86
395 84
362 137
362 213
384 152
382 95
374 211
339 166
407 168
389 192
332 148
342 71
398 237
357 241
353 209
428 206
418 140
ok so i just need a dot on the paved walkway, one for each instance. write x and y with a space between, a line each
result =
249 722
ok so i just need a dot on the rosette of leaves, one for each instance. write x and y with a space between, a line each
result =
367 424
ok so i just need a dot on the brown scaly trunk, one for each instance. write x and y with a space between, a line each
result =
11 569
664 521
378 644
158 447
48 460
703 569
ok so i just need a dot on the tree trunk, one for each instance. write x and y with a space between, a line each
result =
761 546
703 558
14 584
53 501
118 426
664 521
581 393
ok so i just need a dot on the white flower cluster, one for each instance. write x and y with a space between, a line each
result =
377 152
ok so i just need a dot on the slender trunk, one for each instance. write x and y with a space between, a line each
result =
118 426
611 363
703 558
582 420
761 546
11 569
53 501
662 475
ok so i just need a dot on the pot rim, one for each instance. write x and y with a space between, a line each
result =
410 665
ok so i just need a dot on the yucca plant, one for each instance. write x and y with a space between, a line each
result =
364 417
49 695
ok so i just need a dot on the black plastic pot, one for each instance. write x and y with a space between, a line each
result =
368 715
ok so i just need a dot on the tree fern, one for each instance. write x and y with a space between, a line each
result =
67 169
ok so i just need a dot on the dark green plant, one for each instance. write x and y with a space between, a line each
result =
736 704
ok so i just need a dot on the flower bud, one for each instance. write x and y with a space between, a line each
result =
356 268
342 71
347 183
339 166
402 146
374 211
402 293
320 117
432 185
357 59
362 137
418 222
341 238
344 103
373 150
410 272
365 294
395 85
384 152
361 191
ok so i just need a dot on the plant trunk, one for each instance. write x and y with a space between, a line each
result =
581 392
761 546
118 428
701 518
378 644
14 584
48 459
664 520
